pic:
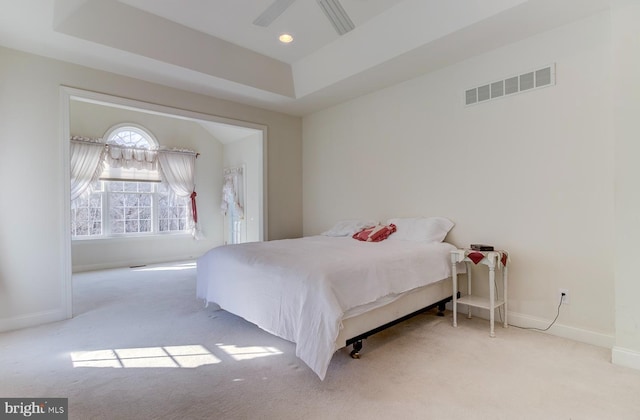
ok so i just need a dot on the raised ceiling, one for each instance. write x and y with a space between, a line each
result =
213 47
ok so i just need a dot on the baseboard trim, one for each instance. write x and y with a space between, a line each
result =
577 334
625 357
122 264
32 320
526 321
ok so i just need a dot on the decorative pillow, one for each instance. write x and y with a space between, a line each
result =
422 229
375 234
349 227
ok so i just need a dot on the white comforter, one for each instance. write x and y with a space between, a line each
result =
299 289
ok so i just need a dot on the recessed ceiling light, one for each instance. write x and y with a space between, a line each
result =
286 38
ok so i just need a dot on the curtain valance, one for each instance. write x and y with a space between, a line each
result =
131 157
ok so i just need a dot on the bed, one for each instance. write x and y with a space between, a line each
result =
325 292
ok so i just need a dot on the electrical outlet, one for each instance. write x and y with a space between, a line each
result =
565 299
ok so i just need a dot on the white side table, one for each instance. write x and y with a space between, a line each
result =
493 260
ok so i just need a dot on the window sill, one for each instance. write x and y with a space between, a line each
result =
129 238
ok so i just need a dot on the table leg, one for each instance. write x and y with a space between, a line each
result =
504 283
468 266
454 278
492 297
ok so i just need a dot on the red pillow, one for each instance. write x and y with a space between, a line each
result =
375 234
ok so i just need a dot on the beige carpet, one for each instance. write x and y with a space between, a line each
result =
142 347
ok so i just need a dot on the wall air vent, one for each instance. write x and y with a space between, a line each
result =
524 82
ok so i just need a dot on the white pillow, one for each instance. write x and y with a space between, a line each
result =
421 229
349 227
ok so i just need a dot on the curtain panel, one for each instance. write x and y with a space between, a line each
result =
178 170
231 192
86 161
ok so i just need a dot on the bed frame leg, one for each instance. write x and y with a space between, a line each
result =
355 353
441 308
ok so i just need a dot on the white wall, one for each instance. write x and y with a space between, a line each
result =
247 153
93 120
626 97
532 173
34 260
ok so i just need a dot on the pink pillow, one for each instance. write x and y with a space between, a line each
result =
375 234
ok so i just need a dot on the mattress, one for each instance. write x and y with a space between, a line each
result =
301 289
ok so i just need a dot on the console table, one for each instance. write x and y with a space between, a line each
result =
492 259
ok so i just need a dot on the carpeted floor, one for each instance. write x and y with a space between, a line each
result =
140 346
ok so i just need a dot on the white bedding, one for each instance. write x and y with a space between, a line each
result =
299 289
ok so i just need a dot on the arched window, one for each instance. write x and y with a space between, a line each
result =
129 199
132 155
131 135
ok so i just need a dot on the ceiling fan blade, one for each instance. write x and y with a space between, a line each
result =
337 16
272 12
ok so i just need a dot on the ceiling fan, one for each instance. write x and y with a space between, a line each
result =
331 8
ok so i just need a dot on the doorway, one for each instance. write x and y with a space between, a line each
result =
98 110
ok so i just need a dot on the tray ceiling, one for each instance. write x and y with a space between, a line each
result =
213 46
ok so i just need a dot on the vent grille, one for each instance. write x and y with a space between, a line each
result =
337 16
272 12
524 82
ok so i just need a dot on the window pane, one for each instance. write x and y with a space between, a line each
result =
86 215
82 214
117 226
145 213
116 200
131 186
128 136
144 200
131 213
116 213
145 186
131 226
163 188
131 200
116 186
81 202
172 213
145 225
96 228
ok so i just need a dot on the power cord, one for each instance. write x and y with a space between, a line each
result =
540 329
562 295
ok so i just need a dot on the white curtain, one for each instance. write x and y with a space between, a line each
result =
131 164
233 204
178 170
86 161
232 196
132 158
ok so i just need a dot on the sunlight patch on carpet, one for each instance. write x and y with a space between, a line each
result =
248 353
191 356
167 267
